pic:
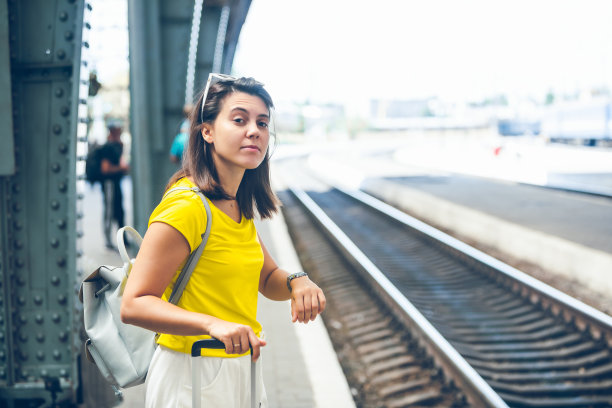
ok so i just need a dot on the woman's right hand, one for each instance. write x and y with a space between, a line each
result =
236 337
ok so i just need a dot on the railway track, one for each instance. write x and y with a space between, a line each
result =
532 345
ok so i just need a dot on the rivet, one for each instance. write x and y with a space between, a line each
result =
17 225
41 356
61 299
79 234
1 336
62 187
69 35
2 374
63 373
57 129
63 336
16 207
63 148
39 318
18 244
63 16
55 204
54 242
55 280
16 188
55 317
21 300
61 261
45 72
19 262
61 224
55 167
23 337
2 355
56 354
64 111
21 281
40 337
23 319
61 54
59 92
43 373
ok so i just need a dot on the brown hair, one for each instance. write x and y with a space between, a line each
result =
254 189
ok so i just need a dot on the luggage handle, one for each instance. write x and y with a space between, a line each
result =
212 343
196 351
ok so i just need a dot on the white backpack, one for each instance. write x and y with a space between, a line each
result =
122 351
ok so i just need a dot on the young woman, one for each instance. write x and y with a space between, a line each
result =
227 159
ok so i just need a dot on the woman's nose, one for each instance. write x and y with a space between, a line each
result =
253 132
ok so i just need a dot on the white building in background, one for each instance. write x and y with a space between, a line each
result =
427 114
586 120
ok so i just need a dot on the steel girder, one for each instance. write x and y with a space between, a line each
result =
43 140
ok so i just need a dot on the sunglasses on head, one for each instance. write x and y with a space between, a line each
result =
213 78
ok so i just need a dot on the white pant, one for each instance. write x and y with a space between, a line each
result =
225 382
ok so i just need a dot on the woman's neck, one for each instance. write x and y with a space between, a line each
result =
230 177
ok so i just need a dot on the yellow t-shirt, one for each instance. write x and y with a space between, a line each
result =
225 281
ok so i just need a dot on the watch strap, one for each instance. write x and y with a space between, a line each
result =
293 276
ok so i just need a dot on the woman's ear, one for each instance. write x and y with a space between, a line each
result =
207 133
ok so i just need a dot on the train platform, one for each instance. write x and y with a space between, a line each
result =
560 237
300 366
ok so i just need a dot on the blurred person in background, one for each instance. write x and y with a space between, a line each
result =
180 140
113 167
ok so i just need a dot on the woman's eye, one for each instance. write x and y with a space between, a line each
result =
263 124
238 120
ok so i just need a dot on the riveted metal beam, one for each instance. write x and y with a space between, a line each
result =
39 219
7 145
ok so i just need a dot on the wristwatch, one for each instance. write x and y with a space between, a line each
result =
293 276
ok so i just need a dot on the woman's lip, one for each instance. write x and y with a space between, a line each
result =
252 147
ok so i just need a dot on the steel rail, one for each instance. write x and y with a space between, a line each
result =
476 389
599 321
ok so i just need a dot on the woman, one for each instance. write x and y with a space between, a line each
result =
227 159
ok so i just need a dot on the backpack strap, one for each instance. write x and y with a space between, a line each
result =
194 257
134 236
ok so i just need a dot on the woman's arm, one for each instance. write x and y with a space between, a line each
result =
307 299
106 167
162 251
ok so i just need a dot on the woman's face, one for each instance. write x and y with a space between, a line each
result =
240 134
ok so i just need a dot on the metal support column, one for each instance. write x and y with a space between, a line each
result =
39 217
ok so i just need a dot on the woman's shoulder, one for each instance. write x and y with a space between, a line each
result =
181 200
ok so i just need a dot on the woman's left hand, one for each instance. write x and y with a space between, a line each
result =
307 300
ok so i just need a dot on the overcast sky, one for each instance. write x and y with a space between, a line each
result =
355 50
344 50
